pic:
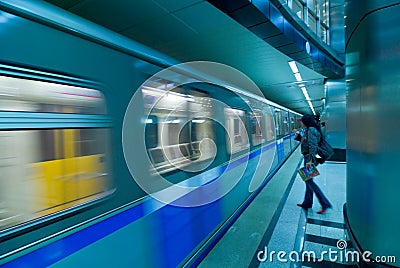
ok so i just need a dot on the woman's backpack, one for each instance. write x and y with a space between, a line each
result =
325 150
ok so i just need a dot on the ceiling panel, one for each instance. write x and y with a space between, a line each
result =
174 5
145 32
265 30
248 16
193 30
118 15
202 17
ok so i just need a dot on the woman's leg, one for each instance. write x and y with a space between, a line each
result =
308 197
320 195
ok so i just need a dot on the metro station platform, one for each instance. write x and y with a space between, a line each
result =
274 232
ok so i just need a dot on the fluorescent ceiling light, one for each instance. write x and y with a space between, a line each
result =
296 73
305 93
311 107
298 77
293 66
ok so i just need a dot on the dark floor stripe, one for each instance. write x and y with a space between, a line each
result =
339 155
321 240
326 223
326 241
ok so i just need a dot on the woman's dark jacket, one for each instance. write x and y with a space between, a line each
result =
309 144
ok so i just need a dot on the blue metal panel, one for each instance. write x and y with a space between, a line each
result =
263 6
288 29
58 250
286 145
177 234
248 16
280 149
276 17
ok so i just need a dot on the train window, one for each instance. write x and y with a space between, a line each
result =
48 145
18 94
175 131
281 123
182 125
236 131
157 156
91 141
269 126
285 124
299 124
184 150
201 128
257 128
292 123
151 131
278 123
236 127
184 134
48 170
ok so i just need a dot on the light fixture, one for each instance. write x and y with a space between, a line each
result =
293 66
298 77
305 93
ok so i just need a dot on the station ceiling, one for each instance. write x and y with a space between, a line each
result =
195 30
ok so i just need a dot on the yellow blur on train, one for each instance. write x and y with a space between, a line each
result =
62 163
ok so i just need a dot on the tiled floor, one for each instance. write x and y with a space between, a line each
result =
321 240
248 234
296 238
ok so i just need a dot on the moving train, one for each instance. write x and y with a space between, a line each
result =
112 153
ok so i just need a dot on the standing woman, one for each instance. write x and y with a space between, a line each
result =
309 145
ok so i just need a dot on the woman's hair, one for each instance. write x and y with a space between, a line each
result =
309 121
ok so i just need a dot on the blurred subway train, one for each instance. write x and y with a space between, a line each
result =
112 153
